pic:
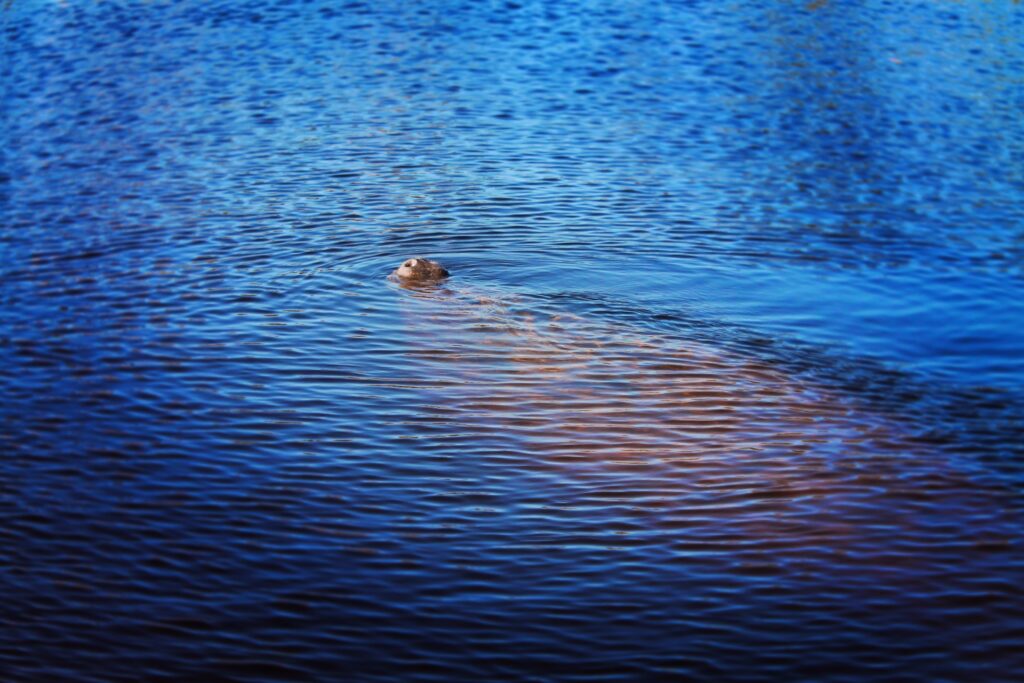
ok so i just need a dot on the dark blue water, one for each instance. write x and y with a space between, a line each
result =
726 384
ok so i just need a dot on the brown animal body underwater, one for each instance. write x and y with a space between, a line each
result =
420 271
705 452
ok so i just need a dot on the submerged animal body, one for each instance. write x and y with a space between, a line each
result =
629 390
420 271
709 451
583 385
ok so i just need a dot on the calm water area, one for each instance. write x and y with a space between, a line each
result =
726 384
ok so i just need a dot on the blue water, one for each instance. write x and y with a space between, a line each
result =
725 385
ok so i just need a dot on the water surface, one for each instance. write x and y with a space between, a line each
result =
726 384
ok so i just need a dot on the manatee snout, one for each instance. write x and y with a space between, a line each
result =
420 271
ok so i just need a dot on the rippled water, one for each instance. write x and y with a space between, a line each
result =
726 384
